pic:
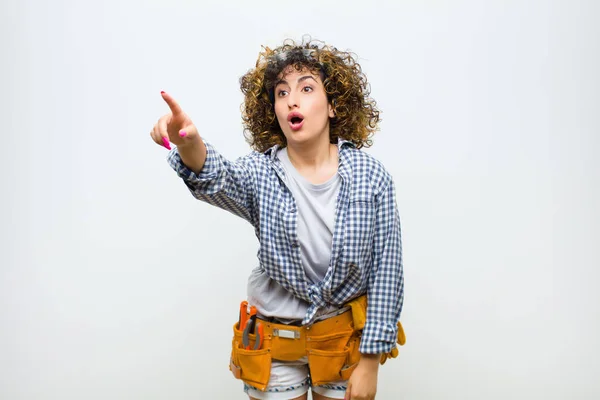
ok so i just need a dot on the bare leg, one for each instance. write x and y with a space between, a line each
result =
303 397
317 396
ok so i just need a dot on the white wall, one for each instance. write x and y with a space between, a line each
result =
116 284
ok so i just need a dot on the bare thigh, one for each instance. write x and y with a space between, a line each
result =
317 396
303 397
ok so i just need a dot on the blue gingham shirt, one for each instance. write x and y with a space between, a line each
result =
366 254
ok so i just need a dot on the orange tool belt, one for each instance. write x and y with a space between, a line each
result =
331 346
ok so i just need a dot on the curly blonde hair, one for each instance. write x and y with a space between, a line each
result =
356 115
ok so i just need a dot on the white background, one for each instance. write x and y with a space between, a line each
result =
116 284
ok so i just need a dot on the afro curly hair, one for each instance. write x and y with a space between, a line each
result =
356 115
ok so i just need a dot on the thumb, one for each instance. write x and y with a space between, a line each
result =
188 132
347 395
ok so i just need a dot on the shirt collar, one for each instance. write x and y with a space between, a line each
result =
342 144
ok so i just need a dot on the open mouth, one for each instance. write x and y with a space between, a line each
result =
296 123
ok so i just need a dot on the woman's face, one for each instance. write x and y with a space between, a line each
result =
301 106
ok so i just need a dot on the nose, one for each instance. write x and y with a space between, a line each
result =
292 101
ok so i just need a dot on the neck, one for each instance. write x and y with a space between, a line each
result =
313 156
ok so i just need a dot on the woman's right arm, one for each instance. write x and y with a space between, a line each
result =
207 174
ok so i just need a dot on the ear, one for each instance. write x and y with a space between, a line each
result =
331 109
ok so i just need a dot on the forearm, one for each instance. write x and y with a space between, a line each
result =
213 179
193 154
363 381
370 361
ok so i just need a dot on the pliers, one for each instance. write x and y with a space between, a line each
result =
243 315
251 325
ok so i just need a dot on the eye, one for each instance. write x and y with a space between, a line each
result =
281 92
310 89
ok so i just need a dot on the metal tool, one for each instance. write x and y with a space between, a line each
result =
260 335
249 328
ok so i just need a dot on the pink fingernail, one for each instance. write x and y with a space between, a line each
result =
166 143
182 133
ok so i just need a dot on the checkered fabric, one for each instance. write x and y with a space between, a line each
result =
366 254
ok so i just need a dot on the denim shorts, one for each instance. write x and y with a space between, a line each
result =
290 379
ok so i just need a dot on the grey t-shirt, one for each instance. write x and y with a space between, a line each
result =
316 221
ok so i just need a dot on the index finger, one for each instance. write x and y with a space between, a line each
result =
173 105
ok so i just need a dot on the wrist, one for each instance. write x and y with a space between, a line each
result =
370 360
190 143
193 153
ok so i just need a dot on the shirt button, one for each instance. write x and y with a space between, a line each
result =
295 244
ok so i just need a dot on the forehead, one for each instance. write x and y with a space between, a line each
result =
291 73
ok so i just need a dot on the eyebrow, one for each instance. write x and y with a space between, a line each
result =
303 78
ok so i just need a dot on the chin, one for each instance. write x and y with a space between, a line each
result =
301 136
297 135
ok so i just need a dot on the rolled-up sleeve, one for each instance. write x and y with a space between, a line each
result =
385 290
222 183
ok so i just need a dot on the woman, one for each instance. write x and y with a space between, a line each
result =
326 218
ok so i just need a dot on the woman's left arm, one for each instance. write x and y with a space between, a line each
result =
385 286
362 384
385 296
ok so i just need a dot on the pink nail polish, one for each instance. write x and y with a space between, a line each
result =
166 143
162 92
183 133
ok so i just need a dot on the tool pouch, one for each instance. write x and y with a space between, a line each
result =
332 357
251 366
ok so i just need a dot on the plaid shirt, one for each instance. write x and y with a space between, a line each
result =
366 254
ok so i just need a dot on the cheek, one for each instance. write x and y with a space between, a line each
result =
319 102
319 108
280 111
281 115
